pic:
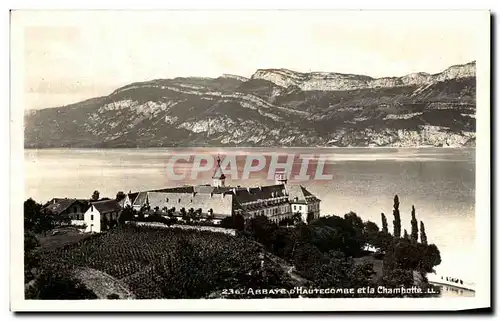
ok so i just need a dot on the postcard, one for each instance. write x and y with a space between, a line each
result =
250 160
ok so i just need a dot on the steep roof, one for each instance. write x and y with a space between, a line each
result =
203 189
57 206
140 199
220 204
107 206
132 196
178 189
218 174
251 194
300 195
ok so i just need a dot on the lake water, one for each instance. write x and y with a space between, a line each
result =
440 183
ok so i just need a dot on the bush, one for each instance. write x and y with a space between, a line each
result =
58 286
113 296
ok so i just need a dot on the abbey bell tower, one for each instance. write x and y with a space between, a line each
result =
218 179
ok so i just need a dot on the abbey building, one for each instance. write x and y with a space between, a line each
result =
217 201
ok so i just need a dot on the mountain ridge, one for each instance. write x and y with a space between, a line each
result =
341 81
230 110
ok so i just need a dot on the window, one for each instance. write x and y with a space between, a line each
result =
295 207
179 200
92 217
167 200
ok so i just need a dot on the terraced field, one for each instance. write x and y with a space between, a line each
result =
167 263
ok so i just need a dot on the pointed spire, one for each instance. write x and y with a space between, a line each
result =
218 174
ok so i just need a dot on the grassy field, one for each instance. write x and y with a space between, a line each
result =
61 237
146 258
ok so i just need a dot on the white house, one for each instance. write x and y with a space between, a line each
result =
303 202
99 211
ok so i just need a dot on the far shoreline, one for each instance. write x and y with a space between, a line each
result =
254 147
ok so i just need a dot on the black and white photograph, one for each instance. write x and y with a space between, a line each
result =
272 160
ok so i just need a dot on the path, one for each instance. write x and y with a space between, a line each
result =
102 284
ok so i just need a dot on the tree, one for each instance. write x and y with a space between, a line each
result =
112 224
198 214
408 255
336 233
354 220
227 222
35 219
31 259
120 195
297 218
423 236
104 223
395 278
370 232
235 221
382 241
58 285
405 235
184 215
191 215
310 217
432 257
283 242
414 225
287 221
95 196
397 218
30 241
210 216
126 215
238 222
171 221
140 215
385 229
262 229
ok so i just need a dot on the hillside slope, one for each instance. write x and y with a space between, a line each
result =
273 108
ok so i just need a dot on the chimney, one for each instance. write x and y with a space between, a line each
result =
248 190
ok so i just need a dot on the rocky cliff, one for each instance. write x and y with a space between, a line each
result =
335 81
275 107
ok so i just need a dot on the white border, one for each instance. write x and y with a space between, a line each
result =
482 298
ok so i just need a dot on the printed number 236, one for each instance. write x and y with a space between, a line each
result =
231 291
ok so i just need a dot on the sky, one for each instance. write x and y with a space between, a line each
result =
69 56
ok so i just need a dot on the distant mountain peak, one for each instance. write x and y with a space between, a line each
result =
240 78
341 81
